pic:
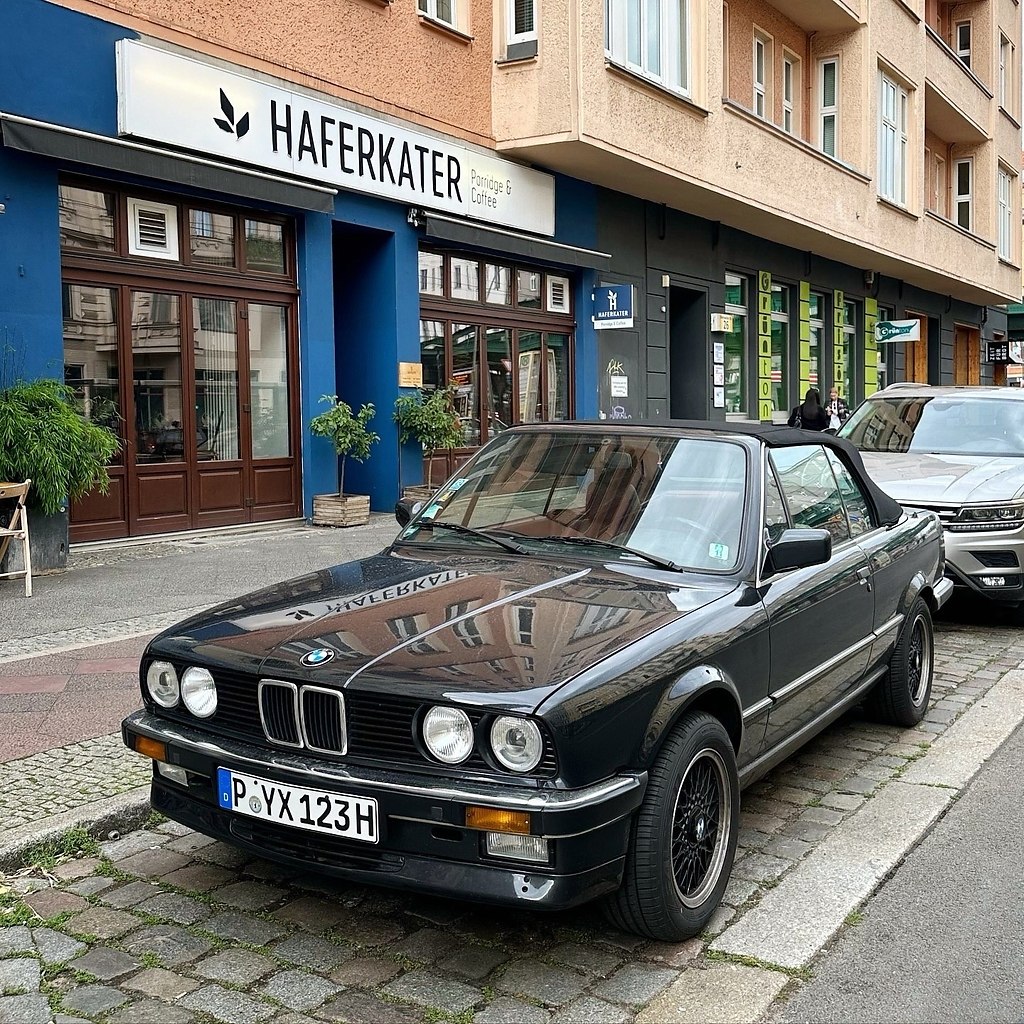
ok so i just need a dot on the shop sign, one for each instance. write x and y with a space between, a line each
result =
897 330
612 306
998 351
177 100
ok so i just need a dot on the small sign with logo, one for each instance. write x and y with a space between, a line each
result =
897 330
612 306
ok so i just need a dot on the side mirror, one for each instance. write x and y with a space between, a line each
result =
405 509
798 549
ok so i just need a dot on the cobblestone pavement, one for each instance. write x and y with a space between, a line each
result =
165 925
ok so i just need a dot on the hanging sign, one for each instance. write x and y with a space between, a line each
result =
612 306
180 101
897 330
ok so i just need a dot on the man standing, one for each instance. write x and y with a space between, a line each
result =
837 409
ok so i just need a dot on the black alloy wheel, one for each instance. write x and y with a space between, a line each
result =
901 698
683 838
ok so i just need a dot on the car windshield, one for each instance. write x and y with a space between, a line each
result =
938 425
678 499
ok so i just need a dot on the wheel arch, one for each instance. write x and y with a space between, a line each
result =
701 688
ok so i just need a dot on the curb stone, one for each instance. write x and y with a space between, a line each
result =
122 813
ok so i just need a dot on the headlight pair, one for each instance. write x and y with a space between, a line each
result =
515 742
992 514
197 689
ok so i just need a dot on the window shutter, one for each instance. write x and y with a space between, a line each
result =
152 230
523 16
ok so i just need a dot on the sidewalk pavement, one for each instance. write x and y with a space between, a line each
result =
165 925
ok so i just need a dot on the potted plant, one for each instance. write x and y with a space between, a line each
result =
430 419
349 434
45 438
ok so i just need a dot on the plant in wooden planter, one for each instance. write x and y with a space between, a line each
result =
44 436
431 419
350 436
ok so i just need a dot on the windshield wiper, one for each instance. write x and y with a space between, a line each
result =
429 524
661 563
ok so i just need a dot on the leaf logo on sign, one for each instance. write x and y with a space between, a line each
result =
227 122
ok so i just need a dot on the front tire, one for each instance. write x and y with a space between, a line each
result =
901 698
683 839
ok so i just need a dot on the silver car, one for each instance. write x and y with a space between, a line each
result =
960 452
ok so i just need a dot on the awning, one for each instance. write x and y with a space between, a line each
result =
497 240
77 147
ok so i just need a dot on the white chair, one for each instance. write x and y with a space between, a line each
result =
17 529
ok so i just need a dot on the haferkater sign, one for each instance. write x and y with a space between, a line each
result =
177 100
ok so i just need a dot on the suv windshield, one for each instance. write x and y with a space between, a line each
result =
938 425
678 499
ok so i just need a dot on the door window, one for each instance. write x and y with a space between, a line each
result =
156 370
776 519
215 328
810 490
268 381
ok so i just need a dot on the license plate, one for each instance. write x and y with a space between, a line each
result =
351 817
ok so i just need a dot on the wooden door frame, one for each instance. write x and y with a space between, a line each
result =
915 353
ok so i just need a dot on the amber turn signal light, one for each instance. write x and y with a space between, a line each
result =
151 748
492 819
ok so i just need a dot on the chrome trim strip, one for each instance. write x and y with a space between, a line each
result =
295 710
825 666
942 589
894 623
755 709
467 792
343 724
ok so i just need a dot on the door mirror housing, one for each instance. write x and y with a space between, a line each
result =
799 549
405 509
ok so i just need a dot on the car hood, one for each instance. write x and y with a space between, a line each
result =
946 479
488 631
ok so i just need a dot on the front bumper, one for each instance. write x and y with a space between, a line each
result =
974 560
424 845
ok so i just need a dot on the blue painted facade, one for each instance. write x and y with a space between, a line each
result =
357 269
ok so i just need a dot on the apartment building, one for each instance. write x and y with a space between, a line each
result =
806 167
214 214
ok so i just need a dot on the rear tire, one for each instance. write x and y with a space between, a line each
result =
901 698
683 838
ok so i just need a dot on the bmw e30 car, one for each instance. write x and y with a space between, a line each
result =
554 683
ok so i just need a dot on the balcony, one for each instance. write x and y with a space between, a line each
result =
828 17
949 120
955 97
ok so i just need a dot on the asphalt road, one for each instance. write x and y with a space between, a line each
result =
943 940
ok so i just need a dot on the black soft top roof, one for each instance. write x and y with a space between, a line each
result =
887 509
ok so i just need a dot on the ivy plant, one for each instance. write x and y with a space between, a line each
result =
44 436
346 430
431 419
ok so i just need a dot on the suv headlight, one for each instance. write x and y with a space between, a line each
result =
517 743
448 734
162 683
199 692
991 517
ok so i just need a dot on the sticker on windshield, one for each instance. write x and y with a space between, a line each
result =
431 512
720 552
456 484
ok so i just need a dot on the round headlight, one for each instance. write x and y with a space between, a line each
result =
448 734
517 743
199 692
162 683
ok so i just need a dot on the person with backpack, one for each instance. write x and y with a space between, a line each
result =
809 415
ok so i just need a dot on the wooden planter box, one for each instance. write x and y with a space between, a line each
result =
341 510
420 492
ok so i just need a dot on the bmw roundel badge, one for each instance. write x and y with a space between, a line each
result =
316 658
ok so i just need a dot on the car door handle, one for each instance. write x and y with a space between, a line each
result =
864 576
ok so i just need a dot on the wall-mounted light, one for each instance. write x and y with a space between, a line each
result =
869 279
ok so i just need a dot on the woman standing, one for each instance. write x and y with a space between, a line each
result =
810 415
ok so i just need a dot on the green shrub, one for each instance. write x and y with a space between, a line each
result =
345 430
43 436
430 419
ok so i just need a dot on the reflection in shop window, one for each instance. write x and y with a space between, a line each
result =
465 378
884 313
212 238
498 284
528 288
268 381
432 354
558 376
499 380
156 368
214 326
264 247
465 279
735 347
91 364
780 352
86 219
845 385
817 317
530 410
431 270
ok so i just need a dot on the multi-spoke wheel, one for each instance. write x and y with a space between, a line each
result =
902 696
684 836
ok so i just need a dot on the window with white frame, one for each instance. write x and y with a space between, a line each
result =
828 106
522 20
1005 71
439 10
1006 181
650 38
762 73
963 194
962 42
790 92
892 140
